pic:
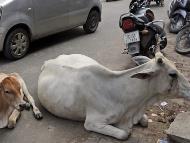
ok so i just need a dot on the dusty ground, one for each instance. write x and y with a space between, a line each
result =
107 51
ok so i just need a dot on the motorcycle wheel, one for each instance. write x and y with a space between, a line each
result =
176 23
183 41
163 37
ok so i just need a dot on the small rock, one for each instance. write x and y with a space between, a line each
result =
154 115
163 104
162 114
150 120
179 130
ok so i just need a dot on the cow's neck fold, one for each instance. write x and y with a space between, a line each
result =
3 104
129 72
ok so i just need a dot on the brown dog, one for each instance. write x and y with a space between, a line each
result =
13 91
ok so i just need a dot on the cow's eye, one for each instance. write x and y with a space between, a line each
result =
7 92
173 74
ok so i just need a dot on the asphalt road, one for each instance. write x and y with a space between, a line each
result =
105 46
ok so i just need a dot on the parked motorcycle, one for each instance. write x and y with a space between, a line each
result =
177 14
141 31
183 38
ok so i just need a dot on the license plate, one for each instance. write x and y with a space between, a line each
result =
132 37
133 48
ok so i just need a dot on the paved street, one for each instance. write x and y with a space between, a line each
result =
105 46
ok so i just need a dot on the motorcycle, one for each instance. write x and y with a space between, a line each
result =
183 38
177 14
141 31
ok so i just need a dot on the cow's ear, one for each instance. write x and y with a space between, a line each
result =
1 86
143 74
139 60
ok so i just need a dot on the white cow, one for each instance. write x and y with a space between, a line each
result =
77 87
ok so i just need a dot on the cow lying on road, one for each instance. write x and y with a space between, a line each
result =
13 90
110 102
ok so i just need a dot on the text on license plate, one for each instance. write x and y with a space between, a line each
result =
132 37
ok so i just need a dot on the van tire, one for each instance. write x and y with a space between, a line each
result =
92 22
20 47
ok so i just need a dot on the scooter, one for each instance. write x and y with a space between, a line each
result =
140 31
177 14
183 38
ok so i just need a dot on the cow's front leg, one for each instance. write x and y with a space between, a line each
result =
13 119
105 129
144 121
36 111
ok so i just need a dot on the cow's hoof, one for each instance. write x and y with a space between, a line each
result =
38 115
144 121
124 135
11 124
27 106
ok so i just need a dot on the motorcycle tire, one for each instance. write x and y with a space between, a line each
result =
176 23
163 37
183 41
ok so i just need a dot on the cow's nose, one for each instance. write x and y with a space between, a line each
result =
173 74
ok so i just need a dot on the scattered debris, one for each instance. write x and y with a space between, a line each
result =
154 115
165 116
163 104
166 111
179 130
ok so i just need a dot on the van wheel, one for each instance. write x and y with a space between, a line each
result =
92 22
16 44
